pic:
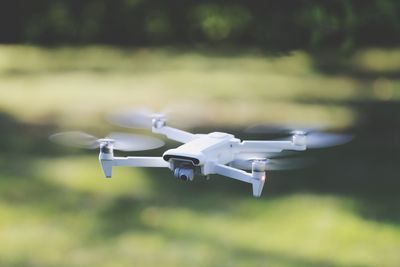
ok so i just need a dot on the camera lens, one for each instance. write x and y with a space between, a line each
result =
184 174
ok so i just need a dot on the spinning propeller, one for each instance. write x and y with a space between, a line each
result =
135 118
273 162
184 116
119 141
313 136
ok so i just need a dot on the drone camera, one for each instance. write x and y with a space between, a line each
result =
184 174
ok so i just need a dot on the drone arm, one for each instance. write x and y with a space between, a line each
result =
256 178
268 146
232 173
175 134
140 162
108 161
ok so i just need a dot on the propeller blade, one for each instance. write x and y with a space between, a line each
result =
121 141
133 118
269 155
134 142
315 137
289 163
274 164
183 116
75 139
322 140
281 129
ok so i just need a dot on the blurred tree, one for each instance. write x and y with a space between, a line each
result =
273 25
219 23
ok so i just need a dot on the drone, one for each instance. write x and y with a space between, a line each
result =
199 154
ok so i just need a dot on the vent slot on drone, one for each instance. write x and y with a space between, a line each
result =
193 160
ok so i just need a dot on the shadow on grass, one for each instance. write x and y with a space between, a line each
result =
21 139
332 64
15 72
369 166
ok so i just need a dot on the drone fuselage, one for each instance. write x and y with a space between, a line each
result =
212 147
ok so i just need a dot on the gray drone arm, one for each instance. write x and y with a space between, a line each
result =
268 146
256 178
108 162
231 172
174 134
140 162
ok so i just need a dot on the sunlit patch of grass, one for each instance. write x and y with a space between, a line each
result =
96 80
31 236
308 227
380 60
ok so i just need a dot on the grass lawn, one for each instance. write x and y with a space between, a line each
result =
57 210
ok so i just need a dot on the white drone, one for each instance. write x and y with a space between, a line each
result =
200 154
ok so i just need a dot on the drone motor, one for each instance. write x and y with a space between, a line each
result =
299 138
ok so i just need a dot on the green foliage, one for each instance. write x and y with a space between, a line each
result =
220 23
158 26
272 25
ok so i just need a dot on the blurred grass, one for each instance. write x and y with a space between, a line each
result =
80 219
56 210
99 78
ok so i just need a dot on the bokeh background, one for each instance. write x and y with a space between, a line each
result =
65 64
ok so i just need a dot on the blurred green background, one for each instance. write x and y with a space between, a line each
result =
65 64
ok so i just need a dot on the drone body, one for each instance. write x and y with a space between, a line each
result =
199 155
204 154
